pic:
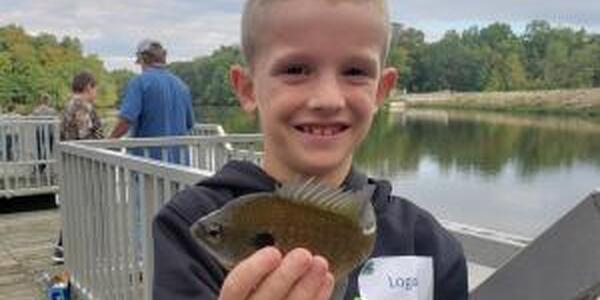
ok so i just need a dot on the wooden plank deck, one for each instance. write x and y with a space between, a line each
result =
26 243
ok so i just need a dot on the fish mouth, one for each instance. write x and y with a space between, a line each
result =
322 130
224 261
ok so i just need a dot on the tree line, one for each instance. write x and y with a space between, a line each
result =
43 64
208 76
492 58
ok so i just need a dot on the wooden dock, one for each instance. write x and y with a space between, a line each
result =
26 244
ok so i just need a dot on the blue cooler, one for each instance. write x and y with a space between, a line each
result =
59 291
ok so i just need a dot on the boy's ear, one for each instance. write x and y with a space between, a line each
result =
243 87
386 84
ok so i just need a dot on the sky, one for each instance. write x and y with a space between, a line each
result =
192 28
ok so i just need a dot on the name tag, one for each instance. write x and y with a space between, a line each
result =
397 278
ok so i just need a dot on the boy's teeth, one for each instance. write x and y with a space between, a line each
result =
319 130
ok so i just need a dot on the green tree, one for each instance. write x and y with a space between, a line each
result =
405 48
32 65
536 39
120 78
208 76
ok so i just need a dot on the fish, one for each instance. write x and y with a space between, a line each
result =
335 224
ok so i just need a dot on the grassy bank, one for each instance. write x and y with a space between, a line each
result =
580 102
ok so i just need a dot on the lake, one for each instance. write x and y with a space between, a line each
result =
513 173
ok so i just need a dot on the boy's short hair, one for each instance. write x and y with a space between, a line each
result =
81 80
253 10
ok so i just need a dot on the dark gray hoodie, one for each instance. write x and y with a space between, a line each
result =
183 270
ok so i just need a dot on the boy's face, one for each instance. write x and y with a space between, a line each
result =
316 81
91 92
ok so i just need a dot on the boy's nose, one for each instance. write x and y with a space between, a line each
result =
327 95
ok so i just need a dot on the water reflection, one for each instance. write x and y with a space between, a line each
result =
478 142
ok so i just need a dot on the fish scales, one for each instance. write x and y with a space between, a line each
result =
270 219
295 225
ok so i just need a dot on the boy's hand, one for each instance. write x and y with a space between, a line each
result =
267 276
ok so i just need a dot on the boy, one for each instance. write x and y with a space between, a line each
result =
315 74
79 121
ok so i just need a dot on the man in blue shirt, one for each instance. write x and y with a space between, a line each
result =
156 102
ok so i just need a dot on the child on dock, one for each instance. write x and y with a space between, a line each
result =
79 121
315 73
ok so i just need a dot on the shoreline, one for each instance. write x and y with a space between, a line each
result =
576 102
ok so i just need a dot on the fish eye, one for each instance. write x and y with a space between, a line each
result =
263 239
214 230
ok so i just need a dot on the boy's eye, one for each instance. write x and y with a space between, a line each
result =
355 72
296 70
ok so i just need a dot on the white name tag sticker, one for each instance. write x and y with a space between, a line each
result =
397 278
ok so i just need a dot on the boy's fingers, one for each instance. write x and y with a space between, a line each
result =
249 273
326 288
309 285
279 283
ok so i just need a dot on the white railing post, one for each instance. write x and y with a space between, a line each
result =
24 155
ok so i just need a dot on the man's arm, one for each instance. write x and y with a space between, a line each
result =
189 118
189 112
120 129
130 109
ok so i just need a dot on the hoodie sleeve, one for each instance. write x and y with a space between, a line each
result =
182 270
450 269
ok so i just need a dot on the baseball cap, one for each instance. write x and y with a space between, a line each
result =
149 46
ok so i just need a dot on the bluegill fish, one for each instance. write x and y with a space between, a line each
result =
338 225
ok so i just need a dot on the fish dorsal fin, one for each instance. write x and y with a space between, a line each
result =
313 193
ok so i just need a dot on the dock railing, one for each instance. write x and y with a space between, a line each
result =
27 156
110 196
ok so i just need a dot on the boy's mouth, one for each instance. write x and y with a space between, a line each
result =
322 130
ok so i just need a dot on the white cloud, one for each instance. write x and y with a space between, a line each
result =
434 17
120 62
112 28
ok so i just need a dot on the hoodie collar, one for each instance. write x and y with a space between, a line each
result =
355 180
247 177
